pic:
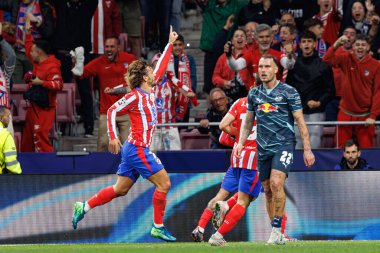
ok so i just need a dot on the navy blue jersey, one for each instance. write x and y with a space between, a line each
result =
273 109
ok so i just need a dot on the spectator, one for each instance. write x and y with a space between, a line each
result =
300 9
331 19
8 154
219 107
249 29
288 34
333 106
250 60
234 84
355 15
131 16
47 74
313 79
215 14
176 15
316 26
7 65
361 91
166 93
41 16
286 19
110 69
73 29
106 22
259 11
182 68
11 7
157 14
351 159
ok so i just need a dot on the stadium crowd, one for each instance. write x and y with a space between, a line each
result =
328 50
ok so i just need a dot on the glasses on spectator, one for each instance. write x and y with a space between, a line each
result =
217 100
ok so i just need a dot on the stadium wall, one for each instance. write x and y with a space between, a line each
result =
322 203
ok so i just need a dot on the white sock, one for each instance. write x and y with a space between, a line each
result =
86 207
158 225
218 235
202 230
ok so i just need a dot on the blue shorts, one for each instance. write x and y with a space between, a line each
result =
242 180
282 160
136 161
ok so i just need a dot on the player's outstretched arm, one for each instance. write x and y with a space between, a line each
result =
245 132
308 155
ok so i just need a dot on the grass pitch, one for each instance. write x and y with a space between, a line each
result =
233 247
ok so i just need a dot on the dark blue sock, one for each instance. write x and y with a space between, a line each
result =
276 223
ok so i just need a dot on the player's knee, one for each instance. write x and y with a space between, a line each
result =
121 191
276 185
212 202
164 186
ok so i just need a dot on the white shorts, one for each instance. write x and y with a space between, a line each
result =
165 139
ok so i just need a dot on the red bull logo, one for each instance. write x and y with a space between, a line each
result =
266 107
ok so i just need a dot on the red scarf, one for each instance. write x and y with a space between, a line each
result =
184 78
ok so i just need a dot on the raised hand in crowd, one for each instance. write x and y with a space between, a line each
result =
340 41
229 23
172 35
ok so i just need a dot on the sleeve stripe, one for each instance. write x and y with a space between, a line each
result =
11 153
8 164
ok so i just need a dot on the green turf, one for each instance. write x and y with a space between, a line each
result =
236 247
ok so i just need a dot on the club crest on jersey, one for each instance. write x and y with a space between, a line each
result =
278 98
366 72
267 107
159 102
126 65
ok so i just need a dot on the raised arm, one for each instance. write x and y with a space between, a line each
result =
162 63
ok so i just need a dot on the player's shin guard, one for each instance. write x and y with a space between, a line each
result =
231 202
205 218
232 218
159 204
104 196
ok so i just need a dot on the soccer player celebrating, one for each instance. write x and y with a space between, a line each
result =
136 158
275 105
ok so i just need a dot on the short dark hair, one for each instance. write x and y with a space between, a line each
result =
269 56
308 35
312 22
181 38
43 45
350 143
360 36
113 37
292 28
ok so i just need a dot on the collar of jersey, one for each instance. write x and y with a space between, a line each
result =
138 88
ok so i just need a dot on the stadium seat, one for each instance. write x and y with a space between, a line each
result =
327 138
194 139
18 104
376 140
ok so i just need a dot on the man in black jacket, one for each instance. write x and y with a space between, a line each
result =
314 81
351 159
219 108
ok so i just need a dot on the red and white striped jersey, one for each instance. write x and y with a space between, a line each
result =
4 96
166 96
248 158
141 108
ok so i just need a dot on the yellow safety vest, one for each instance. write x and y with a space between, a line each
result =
8 152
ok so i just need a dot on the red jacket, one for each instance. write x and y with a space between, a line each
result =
49 71
110 74
332 26
223 72
361 85
252 59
